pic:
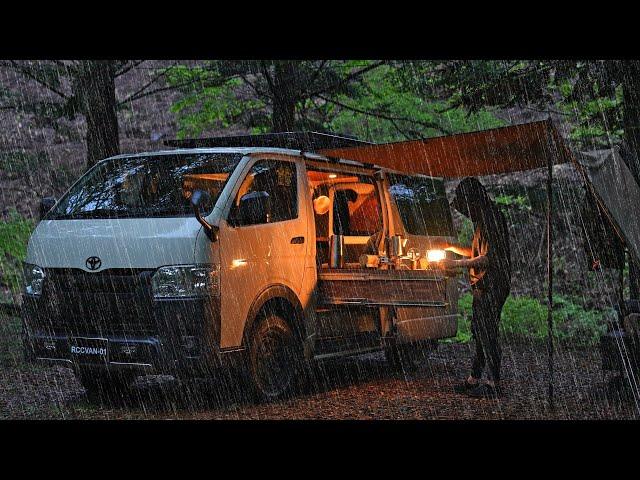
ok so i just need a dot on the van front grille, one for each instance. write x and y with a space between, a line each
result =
112 281
107 302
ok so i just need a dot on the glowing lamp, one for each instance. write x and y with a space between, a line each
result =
436 255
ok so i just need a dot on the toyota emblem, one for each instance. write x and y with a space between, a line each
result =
93 263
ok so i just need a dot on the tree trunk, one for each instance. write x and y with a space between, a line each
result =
98 92
631 113
630 73
284 97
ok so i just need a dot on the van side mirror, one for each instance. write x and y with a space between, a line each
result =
255 208
46 204
200 198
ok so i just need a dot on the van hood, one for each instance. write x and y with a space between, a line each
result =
117 243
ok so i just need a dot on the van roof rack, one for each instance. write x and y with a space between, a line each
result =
306 141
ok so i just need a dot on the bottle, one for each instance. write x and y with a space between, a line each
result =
337 254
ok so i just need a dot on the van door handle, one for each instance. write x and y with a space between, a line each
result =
297 240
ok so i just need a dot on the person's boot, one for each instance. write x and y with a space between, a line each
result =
466 386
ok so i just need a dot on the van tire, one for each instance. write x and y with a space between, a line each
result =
105 387
275 359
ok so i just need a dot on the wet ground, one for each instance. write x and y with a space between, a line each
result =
361 387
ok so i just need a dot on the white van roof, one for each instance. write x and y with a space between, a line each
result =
185 151
240 150
253 150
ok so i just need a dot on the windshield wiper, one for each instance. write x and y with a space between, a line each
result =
97 213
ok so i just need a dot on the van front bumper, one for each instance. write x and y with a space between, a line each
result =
141 354
167 336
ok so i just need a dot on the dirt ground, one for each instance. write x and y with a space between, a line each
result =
361 387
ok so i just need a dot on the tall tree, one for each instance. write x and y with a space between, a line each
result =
96 95
67 89
627 73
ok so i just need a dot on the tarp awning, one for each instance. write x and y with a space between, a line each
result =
500 150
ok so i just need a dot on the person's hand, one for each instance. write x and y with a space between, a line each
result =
452 245
446 264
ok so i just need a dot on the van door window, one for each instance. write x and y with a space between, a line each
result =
276 182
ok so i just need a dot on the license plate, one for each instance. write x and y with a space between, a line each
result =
90 350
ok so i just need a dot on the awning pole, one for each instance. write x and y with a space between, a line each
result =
550 272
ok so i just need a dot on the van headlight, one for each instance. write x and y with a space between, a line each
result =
180 281
33 279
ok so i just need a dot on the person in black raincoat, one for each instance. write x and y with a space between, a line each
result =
489 263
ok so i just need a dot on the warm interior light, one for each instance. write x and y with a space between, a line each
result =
436 255
239 262
333 175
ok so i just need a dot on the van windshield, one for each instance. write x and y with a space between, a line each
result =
422 204
146 186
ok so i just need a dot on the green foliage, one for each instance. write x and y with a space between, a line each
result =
397 112
525 318
210 102
595 121
576 325
519 202
465 309
376 105
14 235
219 94
10 342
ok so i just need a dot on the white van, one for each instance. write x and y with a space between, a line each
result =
181 261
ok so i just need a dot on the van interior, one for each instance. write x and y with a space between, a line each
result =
357 302
347 205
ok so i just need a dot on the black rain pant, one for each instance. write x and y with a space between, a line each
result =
485 322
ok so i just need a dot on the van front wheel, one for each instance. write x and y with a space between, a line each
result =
275 358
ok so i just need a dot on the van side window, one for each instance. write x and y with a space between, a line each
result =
276 182
422 204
